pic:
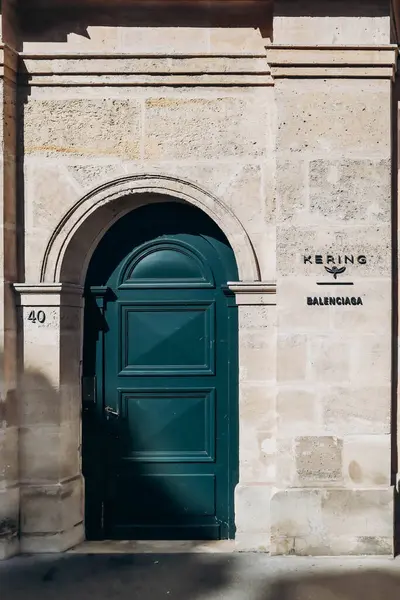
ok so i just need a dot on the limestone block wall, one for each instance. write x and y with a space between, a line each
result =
51 485
333 193
289 147
218 136
141 27
204 122
333 22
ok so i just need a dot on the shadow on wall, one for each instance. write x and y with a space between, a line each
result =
43 444
55 24
331 8
56 21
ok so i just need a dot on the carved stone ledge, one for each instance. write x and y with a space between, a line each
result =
253 292
371 62
146 70
8 63
48 294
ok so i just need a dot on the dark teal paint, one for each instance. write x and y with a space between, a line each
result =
161 342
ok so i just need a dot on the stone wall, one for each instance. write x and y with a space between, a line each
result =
9 272
288 147
334 197
334 363
214 131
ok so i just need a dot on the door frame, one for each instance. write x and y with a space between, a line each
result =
96 527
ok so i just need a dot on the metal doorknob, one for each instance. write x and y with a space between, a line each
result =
111 411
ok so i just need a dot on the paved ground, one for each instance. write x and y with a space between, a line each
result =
196 577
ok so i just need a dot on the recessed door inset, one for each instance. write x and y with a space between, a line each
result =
167 339
160 437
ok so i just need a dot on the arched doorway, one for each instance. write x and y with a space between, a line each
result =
160 407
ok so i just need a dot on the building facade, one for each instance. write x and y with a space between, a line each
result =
199 274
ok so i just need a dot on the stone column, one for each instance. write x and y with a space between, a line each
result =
50 408
257 422
334 487
9 267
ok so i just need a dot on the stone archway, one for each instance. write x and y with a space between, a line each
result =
81 228
50 470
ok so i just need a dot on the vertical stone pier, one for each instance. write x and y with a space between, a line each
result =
9 273
333 82
50 430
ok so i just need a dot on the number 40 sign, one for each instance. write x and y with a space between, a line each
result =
37 316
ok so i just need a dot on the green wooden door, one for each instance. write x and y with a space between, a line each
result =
160 424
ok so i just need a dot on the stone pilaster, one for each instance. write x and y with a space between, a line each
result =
334 491
50 405
9 493
257 421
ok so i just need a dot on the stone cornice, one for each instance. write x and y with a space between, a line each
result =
48 294
253 292
371 62
146 70
8 63
248 70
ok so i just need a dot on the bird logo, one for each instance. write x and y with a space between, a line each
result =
335 271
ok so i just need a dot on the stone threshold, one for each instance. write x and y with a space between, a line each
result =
154 547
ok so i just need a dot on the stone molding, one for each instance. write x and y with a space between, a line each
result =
206 70
133 185
146 70
371 62
8 63
47 294
253 292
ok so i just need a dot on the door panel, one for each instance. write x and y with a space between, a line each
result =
159 338
196 495
160 440
166 418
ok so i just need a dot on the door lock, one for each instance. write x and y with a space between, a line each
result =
111 411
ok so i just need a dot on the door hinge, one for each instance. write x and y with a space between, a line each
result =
102 516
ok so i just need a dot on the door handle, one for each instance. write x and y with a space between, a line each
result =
111 411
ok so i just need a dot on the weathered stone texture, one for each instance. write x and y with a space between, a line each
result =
339 117
336 187
372 241
348 410
257 357
49 453
331 522
292 359
329 360
318 459
333 194
82 127
9 521
297 411
257 404
342 30
178 128
91 176
335 23
51 193
47 509
252 508
366 460
149 40
9 471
